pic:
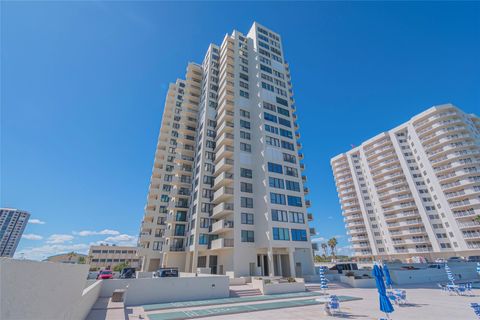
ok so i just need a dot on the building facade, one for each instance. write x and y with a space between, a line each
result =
109 256
12 225
71 257
227 191
414 190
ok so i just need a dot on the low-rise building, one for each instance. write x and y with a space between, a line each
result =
108 256
71 257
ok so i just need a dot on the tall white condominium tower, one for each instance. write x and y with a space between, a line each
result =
227 191
12 225
414 190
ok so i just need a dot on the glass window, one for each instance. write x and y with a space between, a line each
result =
299 235
279 215
294 201
277 198
247 218
276 183
281 234
247 236
273 167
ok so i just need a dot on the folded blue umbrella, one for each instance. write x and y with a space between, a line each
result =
385 304
388 280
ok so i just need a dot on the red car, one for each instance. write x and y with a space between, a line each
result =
105 274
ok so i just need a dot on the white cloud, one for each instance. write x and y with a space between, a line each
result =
121 239
36 221
318 239
329 217
59 238
86 233
42 252
31 236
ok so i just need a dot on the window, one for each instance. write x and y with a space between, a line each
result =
267 86
271 129
289 158
289 171
246 187
292 185
272 141
299 235
284 122
294 201
265 68
246 202
281 234
244 124
286 133
288 145
245 135
247 236
203 238
245 147
285 112
244 113
245 173
296 217
279 215
282 101
269 117
247 218
269 106
277 198
276 183
244 94
273 167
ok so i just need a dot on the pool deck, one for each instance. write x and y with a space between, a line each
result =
425 302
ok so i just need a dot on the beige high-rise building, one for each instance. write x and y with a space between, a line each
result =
227 191
414 190
108 256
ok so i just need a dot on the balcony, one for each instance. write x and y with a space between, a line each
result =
225 139
313 231
300 156
222 194
221 243
224 151
221 226
223 165
310 216
222 209
176 249
224 179
304 179
306 190
227 126
307 203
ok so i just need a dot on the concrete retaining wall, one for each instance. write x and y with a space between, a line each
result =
159 290
40 290
88 299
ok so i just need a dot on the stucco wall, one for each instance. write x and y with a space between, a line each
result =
40 290
158 290
88 299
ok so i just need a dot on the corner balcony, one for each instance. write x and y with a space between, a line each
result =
223 180
310 216
223 165
224 139
221 226
307 203
306 190
224 151
223 194
227 126
222 209
221 243
304 179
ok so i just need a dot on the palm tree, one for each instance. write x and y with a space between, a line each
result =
324 247
332 243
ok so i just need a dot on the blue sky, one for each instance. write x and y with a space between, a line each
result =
83 86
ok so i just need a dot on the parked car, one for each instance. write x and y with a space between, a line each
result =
92 275
127 273
166 272
473 259
456 259
105 274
